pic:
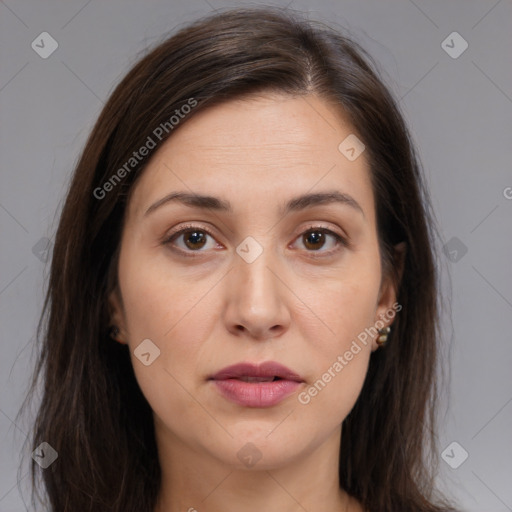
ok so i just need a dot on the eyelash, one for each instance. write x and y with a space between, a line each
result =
341 241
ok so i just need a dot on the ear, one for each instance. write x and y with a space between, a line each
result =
389 287
117 316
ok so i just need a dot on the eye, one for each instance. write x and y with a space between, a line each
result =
316 238
194 239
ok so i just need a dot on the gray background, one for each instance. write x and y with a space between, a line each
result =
459 112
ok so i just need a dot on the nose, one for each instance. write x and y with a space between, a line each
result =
258 299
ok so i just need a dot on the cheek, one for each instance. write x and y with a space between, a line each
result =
341 306
166 313
172 310
158 296
346 305
331 396
338 358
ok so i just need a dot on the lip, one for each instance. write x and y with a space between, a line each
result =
256 394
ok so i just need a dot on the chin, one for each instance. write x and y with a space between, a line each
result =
257 451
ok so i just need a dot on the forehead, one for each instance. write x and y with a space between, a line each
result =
257 148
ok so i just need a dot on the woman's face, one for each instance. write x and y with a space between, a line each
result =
259 276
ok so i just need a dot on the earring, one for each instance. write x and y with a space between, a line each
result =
383 336
114 332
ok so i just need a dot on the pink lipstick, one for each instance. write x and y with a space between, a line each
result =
253 385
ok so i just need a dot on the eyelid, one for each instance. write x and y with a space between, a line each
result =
342 240
327 229
186 227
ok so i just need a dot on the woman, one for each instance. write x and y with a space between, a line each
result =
242 307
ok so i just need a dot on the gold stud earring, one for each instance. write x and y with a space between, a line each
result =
383 336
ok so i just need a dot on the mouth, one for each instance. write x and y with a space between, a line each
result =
253 385
259 379
268 371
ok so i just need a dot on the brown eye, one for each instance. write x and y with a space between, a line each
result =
189 240
194 239
315 239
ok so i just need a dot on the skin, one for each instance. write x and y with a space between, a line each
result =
208 312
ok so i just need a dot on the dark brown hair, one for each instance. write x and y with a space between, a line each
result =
92 410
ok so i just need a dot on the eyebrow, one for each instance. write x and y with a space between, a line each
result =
295 204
